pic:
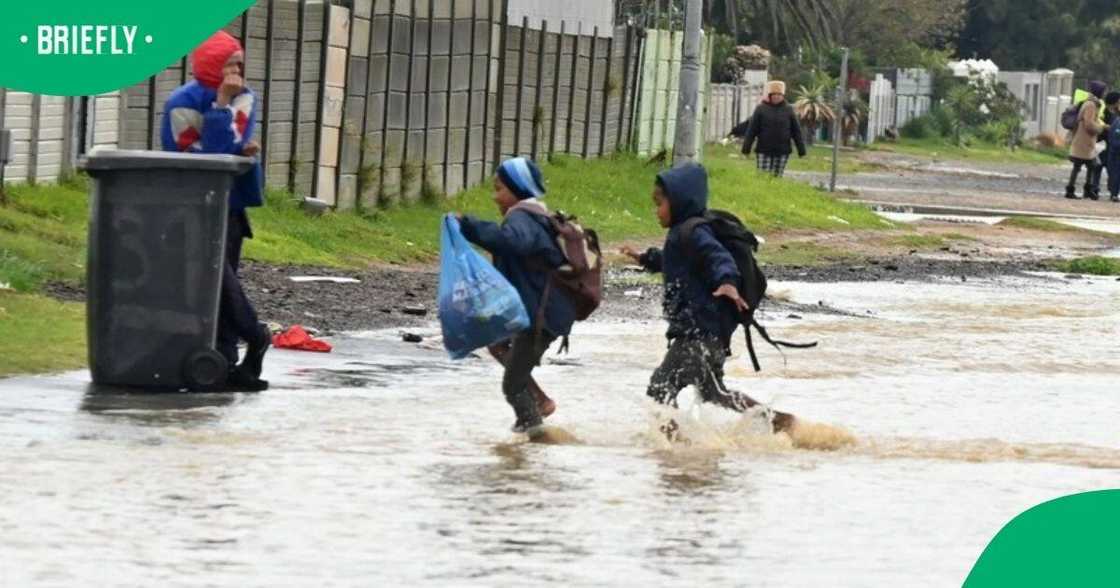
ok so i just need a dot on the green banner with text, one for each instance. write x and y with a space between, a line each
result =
82 47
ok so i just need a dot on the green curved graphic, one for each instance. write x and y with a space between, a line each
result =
81 47
1071 541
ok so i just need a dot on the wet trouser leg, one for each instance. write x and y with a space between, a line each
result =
1071 188
545 405
525 352
237 319
699 363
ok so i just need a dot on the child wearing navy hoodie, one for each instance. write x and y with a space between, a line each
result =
701 299
524 248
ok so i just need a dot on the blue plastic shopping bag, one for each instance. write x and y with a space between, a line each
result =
477 305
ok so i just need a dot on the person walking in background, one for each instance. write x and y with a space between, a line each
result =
774 126
1083 148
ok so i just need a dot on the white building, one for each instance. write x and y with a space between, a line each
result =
577 14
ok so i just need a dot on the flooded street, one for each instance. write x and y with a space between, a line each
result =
386 464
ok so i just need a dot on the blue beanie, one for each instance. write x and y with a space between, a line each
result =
522 177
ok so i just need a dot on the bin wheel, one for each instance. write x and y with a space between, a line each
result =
205 369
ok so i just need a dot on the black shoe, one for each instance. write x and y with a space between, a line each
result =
1071 193
1092 196
1116 198
253 363
241 381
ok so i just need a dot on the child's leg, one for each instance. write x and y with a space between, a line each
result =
524 354
545 404
683 366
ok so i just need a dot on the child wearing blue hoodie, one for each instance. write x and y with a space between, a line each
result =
215 113
525 251
701 300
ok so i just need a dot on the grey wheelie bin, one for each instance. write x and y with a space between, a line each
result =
157 237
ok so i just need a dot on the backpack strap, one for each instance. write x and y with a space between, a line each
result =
687 228
748 322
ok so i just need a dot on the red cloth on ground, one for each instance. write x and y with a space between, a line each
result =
296 338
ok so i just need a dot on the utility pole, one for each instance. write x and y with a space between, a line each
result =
688 104
837 123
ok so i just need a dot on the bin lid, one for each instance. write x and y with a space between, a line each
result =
131 159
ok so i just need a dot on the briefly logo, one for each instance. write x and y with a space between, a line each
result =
86 39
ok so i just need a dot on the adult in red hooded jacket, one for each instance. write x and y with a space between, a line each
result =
215 113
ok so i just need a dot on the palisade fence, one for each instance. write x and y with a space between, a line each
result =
365 103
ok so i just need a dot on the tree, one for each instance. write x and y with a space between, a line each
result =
813 109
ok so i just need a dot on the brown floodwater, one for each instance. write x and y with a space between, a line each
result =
929 420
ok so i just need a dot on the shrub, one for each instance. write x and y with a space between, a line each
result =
923 127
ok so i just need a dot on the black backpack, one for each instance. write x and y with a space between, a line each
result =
742 244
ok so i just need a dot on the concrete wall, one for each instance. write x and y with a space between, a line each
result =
660 80
41 135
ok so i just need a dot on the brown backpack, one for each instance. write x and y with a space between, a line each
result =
581 275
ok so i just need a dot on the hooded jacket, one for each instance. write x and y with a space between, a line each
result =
692 272
194 123
524 248
773 127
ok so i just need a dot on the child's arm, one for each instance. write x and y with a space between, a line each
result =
651 260
513 237
229 129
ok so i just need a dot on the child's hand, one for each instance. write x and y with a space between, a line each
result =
732 293
629 251
231 86
251 149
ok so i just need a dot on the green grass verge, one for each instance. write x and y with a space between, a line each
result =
42 236
938 148
40 334
1093 266
611 195
1039 224
1050 226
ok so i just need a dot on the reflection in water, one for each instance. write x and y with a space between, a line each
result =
155 409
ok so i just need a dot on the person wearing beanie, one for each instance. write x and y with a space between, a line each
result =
215 114
525 251
1083 147
774 126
